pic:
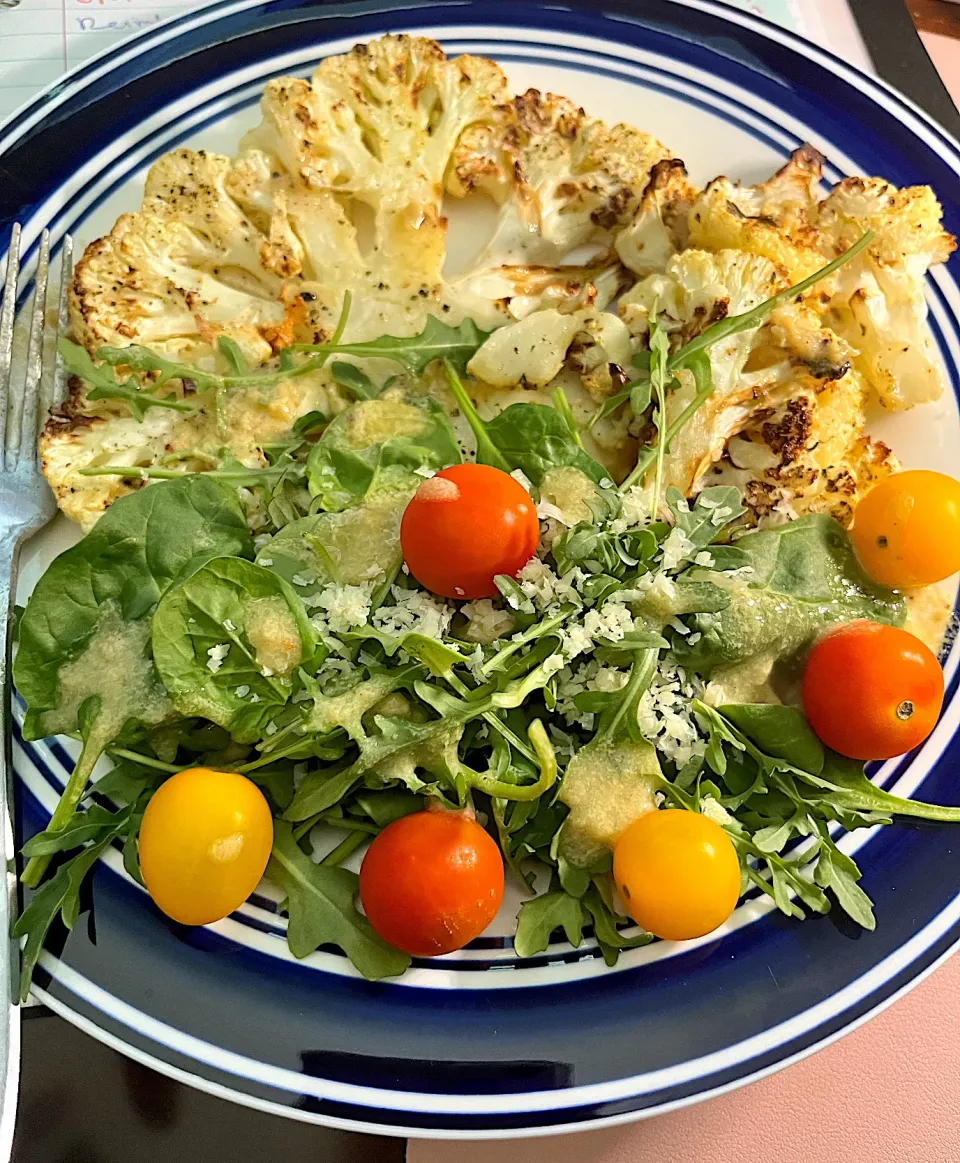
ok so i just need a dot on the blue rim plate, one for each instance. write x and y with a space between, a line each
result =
486 1044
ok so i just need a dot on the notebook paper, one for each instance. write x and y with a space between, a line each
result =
40 40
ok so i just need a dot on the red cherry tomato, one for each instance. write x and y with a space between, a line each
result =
464 526
872 691
431 882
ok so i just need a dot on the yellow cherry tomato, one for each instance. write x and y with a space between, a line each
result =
204 843
906 530
678 874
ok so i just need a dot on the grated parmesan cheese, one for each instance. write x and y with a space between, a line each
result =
414 612
216 655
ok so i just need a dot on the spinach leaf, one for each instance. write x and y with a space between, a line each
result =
538 919
227 641
804 577
377 445
83 665
534 438
358 545
782 732
321 910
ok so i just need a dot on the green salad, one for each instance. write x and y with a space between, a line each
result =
264 623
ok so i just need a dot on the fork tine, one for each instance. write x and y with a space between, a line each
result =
59 386
8 311
26 433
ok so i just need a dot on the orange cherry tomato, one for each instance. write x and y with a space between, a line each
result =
431 882
872 691
205 841
464 526
677 873
906 530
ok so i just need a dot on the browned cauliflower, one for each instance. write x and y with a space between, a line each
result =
879 304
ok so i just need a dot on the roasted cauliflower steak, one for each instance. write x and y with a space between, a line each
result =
340 189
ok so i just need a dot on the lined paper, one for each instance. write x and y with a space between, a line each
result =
42 39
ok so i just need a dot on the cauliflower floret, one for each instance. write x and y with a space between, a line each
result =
775 219
660 228
155 282
879 304
809 455
577 181
601 350
584 178
749 371
530 351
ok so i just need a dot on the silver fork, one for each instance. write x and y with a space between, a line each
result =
26 505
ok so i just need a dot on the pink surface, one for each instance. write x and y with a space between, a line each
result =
945 53
887 1093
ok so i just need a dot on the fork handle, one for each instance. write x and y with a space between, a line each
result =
9 561
10 964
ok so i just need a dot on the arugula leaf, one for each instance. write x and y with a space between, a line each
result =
774 800
611 781
321 910
398 748
60 896
836 871
600 551
85 826
437 340
607 924
659 376
712 512
318 791
226 641
357 383
233 473
538 919
103 384
85 632
848 788
748 320
383 807
377 446
804 577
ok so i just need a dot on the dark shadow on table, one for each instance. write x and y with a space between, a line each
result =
81 1102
